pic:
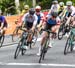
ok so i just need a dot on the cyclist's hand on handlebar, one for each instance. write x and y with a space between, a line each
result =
24 29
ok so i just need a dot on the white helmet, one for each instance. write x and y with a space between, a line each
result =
38 8
55 1
61 3
69 3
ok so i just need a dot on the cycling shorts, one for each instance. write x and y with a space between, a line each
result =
68 14
49 26
28 25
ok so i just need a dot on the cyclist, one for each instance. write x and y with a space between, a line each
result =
3 23
51 22
19 21
26 9
40 16
55 7
62 10
29 22
70 10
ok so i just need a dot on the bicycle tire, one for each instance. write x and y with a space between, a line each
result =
18 49
71 48
23 50
1 40
44 50
33 43
15 34
60 31
67 46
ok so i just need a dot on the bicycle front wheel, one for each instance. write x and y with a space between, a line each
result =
1 40
60 33
67 46
18 49
44 49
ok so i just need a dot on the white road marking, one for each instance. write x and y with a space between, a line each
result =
39 64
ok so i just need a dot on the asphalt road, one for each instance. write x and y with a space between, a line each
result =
54 58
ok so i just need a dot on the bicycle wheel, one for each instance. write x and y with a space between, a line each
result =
15 35
18 49
60 33
67 46
44 50
23 50
32 44
1 40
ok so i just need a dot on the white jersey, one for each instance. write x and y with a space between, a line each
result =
71 9
41 15
55 8
28 18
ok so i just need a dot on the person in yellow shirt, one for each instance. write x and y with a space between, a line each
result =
26 9
62 10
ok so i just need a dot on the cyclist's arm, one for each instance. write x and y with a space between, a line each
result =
23 21
34 23
2 23
50 9
42 20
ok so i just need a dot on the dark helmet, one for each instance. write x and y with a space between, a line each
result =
32 11
54 14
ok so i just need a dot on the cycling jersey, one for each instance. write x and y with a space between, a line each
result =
53 21
3 20
62 9
71 10
32 19
55 8
40 16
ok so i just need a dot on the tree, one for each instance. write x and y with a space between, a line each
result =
7 6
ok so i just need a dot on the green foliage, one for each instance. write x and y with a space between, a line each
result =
7 6
45 4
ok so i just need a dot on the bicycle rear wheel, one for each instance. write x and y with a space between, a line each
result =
16 35
1 40
32 44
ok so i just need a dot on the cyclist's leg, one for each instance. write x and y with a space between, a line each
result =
30 35
2 31
73 21
44 35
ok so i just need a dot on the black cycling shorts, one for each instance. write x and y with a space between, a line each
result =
28 25
49 26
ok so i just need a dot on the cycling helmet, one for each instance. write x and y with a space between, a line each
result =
38 8
54 14
69 3
26 7
55 2
61 4
32 11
